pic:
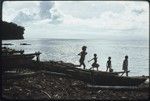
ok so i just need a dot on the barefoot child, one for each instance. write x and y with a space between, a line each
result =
82 58
125 65
108 64
95 64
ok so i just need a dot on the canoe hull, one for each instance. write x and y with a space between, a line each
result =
106 79
15 61
95 77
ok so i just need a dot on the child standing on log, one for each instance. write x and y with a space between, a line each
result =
95 64
108 64
125 65
82 58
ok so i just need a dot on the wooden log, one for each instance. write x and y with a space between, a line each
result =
121 72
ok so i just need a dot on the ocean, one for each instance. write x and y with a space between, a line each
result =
67 50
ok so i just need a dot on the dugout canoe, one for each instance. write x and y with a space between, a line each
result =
101 78
16 60
105 78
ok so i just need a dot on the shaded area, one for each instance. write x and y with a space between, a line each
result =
46 86
11 31
90 76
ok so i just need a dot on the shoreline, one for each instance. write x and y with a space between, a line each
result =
45 86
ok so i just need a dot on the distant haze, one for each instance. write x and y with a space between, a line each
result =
118 20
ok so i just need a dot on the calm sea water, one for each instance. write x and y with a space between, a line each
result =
67 49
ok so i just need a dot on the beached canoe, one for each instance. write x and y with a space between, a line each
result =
93 77
16 60
105 78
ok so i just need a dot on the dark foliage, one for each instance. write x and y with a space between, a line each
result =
11 31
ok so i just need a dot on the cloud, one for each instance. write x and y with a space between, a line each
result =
22 17
78 17
45 7
56 16
44 10
49 11
127 19
138 12
89 8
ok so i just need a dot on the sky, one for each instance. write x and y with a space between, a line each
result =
122 20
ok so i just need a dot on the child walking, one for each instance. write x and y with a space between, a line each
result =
108 64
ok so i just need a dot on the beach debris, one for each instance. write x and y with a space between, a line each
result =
99 91
123 97
7 90
93 97
46 93
42 84
38 86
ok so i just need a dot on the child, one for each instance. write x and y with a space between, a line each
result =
108 64
82 58
125 65
95 64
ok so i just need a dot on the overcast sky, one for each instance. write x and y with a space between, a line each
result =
80 19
